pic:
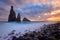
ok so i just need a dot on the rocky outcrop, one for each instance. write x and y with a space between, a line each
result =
25 19
18 19
12 15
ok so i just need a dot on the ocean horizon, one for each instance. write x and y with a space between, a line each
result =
8 27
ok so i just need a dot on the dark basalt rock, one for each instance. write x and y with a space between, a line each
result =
18 19
12 15
25 19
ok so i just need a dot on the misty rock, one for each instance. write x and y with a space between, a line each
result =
18 19
12 15
25 19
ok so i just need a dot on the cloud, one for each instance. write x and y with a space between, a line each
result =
34 8
54 15
31 8
54 18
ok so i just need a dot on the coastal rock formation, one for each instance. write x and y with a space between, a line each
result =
12 15
25 19
18 18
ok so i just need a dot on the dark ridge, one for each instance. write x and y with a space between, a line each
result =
25 19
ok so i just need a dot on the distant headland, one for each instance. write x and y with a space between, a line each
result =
12 16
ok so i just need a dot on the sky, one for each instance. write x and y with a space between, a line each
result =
34 10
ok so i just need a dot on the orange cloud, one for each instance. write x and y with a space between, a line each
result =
55 3
53 19
35 1
55 12
54 15
27 1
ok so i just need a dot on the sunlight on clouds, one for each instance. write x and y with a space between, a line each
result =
39 16
35 1
28 1
13 2
55 12
46 14
56 3
52 15
53 19
36 20
43 1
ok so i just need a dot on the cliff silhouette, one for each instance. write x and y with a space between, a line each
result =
25 19
12 16
18 19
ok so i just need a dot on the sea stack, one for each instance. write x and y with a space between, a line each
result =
12 15
18 19
26 20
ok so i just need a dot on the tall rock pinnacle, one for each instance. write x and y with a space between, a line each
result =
18 18
12 15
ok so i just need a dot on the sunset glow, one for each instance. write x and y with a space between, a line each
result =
54 19
55 12
35 10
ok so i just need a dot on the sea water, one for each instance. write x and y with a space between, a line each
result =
7 27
